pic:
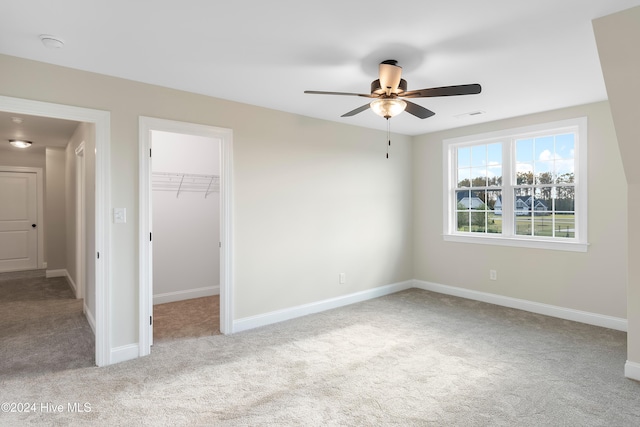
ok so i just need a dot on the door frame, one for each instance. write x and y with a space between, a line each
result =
81 220
146 125
40 264
102 259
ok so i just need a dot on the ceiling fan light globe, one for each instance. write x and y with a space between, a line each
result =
388 107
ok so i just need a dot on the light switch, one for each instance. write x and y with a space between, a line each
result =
119 215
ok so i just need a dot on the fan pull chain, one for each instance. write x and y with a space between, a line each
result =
388 136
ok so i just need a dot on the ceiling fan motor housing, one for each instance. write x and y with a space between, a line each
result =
377 89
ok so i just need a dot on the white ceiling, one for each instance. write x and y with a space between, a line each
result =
529 56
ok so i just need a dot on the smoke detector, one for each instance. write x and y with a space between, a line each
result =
52 42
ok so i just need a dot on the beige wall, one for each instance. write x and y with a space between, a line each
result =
312 198
54 213
594 281
617 38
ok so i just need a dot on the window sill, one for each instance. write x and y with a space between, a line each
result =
518 242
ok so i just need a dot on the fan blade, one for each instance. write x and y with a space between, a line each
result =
471 89
418 110
319 92
356 111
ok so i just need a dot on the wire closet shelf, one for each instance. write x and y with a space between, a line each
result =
185 183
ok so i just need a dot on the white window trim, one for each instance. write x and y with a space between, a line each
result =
450 234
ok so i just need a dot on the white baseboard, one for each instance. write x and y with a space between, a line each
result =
187 294
124 353
595 319
73 285
632 370
56 273
316 307
89 316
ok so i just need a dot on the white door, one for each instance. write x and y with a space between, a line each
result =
18 221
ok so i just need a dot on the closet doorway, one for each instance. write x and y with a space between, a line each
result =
185 224
185 283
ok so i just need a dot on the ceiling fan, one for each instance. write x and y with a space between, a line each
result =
390 93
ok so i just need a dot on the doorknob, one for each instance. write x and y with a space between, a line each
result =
33 225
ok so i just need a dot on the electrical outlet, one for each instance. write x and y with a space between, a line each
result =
493 275
343 278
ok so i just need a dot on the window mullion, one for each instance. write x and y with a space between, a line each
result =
508 166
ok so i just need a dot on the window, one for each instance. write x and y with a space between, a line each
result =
518 187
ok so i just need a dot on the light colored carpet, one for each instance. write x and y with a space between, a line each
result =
414 358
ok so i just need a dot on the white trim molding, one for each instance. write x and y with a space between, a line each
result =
632 370
277 316
62 272
166 297
89 316
595 319
124 353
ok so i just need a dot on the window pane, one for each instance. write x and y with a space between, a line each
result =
542 202
494 154
462 221
494 216
479 155
492 198
544 173
565 146
524 174
494 175
462 199
464 178
565 199
565 178
543 225
478 221
523 225
565 158
479 177
544 149
522 201
524 151
494 164
565 225
477 200
464 157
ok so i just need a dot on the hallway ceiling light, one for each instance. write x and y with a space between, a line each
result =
19 143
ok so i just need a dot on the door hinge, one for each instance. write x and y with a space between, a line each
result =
98 255
149 236
150 320
149 152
